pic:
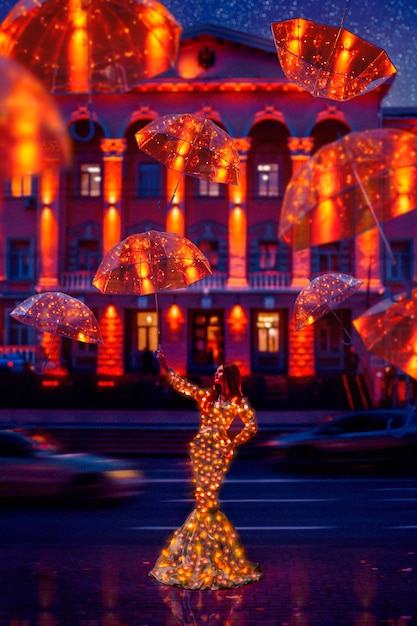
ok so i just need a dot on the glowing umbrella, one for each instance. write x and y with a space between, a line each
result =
59 314
389 330
150 262
32 130
83 46
192 145
329 61
350 186
321 296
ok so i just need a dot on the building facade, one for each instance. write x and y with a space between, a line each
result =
57 227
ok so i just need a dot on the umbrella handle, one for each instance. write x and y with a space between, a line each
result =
171 201
42 369
349 340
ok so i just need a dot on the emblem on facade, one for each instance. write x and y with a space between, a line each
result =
206 58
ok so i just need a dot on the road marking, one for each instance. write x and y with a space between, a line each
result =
395 489
396 500
402 527
258 500
172 528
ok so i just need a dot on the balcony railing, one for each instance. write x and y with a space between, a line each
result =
269 280
258 281
28 353
77 281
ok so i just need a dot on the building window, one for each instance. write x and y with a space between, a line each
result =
207 341
267 330
267 183
149 180
210 249
88 255
21 186
399 271
268 353
268 253
333 257
147 331
208 189
20 259
20 334
90 180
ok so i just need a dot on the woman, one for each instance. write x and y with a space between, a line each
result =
206 551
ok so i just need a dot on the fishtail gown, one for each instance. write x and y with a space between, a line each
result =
206 551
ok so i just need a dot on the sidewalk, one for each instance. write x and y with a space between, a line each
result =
270 420
131 433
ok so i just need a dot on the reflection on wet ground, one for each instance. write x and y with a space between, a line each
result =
303 586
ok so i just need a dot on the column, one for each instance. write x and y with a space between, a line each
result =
237 272
110 354
301 343
48 225
300 151
48 242
113 150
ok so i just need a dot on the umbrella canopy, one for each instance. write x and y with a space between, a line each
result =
32 130
329 61
389 330
192 145
57 313
150 262
322 295
83 46
350 186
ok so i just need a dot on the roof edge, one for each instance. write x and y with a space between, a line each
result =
228 34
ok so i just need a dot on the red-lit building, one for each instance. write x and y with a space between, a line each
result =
57 227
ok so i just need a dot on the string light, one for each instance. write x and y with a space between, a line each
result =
206 551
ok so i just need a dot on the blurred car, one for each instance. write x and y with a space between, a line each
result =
14 363
33 467
358 437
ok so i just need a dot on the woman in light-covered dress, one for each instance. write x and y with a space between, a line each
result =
206 551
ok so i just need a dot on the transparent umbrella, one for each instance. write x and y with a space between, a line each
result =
59 314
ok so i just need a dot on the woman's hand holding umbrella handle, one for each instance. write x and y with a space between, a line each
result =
162 360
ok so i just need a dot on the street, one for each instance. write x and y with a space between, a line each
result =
267 506
334 550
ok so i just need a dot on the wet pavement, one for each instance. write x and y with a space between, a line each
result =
108 585
302 586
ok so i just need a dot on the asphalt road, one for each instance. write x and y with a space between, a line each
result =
336 551
267 506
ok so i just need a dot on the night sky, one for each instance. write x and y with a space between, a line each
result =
389 24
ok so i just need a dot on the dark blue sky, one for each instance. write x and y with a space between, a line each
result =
390 24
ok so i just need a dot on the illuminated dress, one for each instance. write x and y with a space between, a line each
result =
206 551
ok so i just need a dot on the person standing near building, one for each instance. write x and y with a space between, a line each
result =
206 551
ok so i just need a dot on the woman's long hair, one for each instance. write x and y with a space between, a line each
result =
232 383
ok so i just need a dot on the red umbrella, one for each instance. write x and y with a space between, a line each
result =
150 262
31 128
83 46
329 61
350 186
389 330
59 314
193 145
